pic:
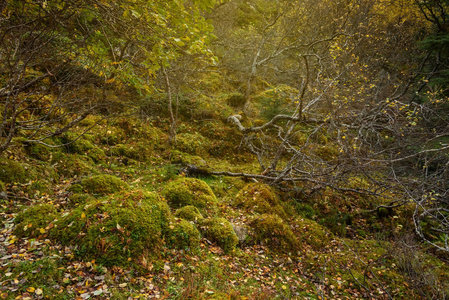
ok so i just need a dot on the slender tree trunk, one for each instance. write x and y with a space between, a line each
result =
172 132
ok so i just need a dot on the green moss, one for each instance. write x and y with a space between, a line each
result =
75 143
121 227
103 184
96 154
38 151
32 221
12 171
220 231
178 157
270 230
80 198
312 233
189 213
183 235
2 186
139 151
259 198
193 143
189 191
71 165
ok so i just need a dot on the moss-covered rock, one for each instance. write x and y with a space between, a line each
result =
189 213
75 143
189 191
96 154
38 151
71 165
103 184
33 221
183 235
271 231
259 198
118 228
220 231
193 143
12 171
80 198
139 151
312 233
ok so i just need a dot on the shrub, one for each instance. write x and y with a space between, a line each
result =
183 235
220 231
189 213
119 228
189 191
32 221
259 198
11 171
103 184
270 230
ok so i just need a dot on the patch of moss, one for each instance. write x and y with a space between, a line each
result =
193 143
80 198
2 186
189 191
183 235
220 231
103 184
259 198
71 165
32 221
96 154
119 229
189 213
138 151
178 157
38 151
75 143
12 171
312 233
271 230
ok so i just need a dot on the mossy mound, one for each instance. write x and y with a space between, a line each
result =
12 171
193 143
189 191
183 235
139 151
71 165
33 221
103 184
96 154
76 144
119 228
259 198
2 186
312 233
271 231
37 151
189 213
220 231
80 198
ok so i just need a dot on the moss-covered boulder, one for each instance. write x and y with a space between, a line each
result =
189 213
189 191
71 165
139 151
183 235
33 221
115 230
271 231
103 184
74 143
12 171
80 198
259 198
220 231
96 154
312 233
37 151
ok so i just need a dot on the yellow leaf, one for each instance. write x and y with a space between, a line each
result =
284 287
83 215
42 230
30 289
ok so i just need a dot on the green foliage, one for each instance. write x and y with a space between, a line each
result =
12 171
189 191
220 231
189 213
275 101
117 228
271 230
2 186
32 221
183 235
103 184
259 198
